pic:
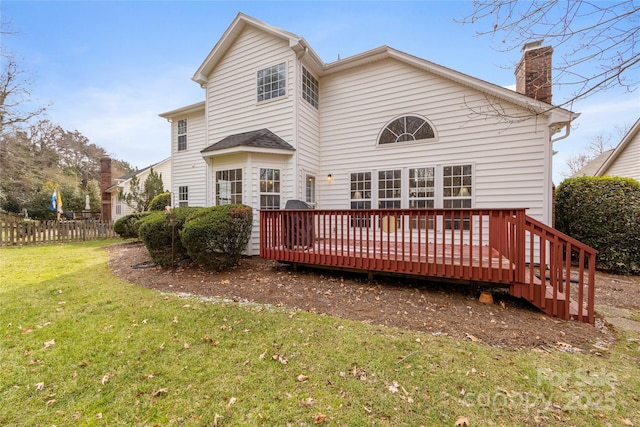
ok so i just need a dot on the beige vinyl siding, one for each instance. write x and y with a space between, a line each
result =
231 91
508 160
308 139
188 168
627 164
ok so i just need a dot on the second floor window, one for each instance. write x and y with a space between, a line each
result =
272 82
309 88
182 135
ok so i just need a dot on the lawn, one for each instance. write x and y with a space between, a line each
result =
80 347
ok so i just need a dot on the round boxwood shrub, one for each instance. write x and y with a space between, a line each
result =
216 237
161 235
604 213
127 226
159 202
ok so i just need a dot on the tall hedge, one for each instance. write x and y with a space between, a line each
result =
216 237
159 202
127 226
604 213
161 235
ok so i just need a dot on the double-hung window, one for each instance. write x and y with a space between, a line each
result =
183 195
269 188
229 187
182 135
310 88
272 82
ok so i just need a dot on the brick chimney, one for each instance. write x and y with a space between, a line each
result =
533 73
105 182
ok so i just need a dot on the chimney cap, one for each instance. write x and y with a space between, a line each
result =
532 45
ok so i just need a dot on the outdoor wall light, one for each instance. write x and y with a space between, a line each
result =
329 177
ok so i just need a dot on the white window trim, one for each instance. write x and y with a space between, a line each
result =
286 87
404 203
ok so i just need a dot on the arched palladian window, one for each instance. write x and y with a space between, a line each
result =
406 128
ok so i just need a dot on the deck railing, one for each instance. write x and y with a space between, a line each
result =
468 244
565 273
498 246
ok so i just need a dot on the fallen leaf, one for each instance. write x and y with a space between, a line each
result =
175 319
99 415
309 401
50 402
627 422
39 386
77 415
159 392
471 337
462 422
105 379
319 418
186 345
48 344
393 388
302 378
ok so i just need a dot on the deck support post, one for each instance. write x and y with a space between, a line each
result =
370 276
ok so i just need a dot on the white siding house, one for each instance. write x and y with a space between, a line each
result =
379 129
118 207
625 159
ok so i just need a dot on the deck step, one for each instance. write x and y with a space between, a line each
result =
523 290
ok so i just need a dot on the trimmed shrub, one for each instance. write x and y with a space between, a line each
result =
216 237
160 201
161 235
604 213
127 226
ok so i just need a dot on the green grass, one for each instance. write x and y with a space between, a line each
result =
80 347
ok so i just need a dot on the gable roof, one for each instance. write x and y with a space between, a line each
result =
592 167
257 140
619 149
120 181
302 48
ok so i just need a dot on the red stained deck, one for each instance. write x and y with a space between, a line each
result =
500 247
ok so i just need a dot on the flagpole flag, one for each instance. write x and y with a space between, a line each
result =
60 202
54 200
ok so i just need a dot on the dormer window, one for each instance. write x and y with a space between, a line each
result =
272 82
407 128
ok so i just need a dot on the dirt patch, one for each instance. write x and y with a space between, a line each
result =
436 308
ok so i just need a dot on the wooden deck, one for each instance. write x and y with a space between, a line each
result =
498 247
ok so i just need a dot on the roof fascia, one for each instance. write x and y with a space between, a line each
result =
619 149
193 108
246 149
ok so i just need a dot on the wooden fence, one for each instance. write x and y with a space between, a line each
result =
15 230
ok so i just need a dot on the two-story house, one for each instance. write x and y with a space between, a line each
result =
380 129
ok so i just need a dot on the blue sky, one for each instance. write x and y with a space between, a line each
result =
107 69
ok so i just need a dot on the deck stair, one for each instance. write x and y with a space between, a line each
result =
500 247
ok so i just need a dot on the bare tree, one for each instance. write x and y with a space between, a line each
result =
598 145
597 40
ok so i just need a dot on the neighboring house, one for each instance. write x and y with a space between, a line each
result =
118 207
593 165
625 159
379 129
